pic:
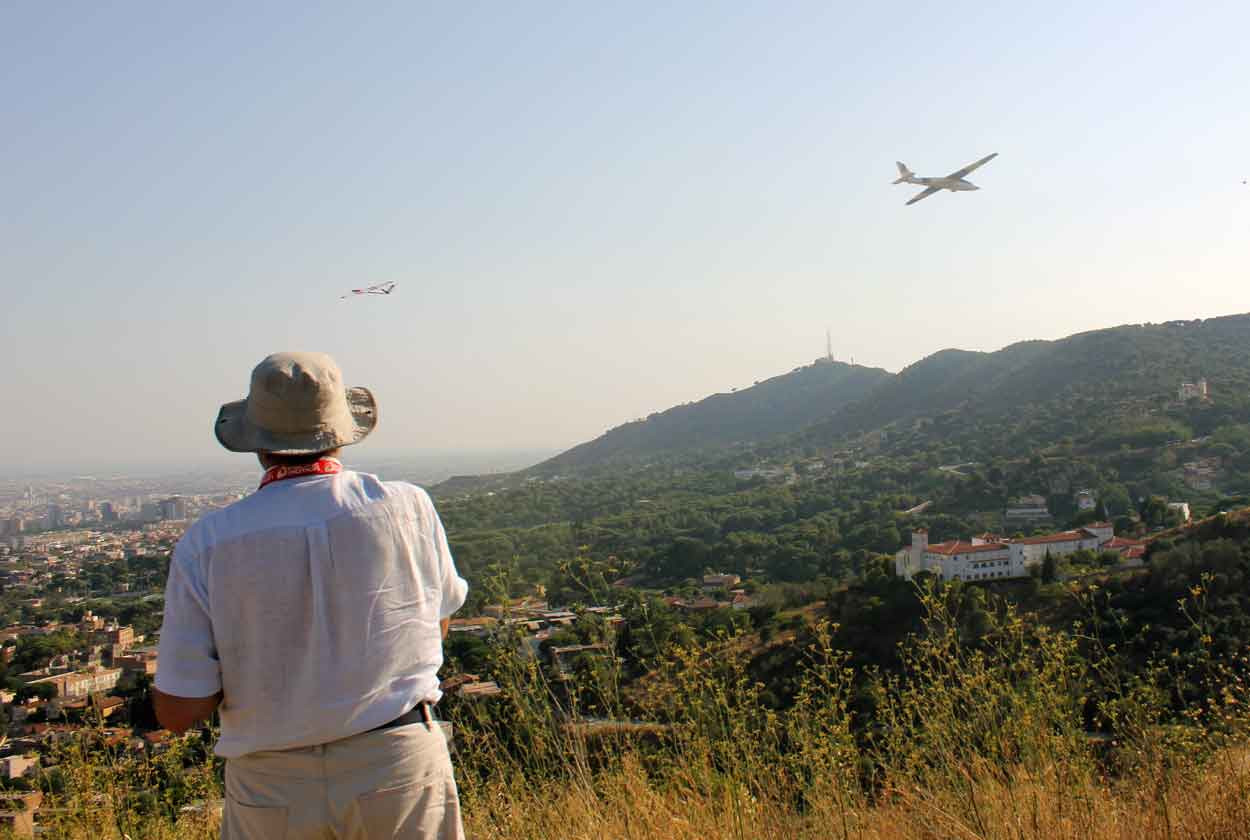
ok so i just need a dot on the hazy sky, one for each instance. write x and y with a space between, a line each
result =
593 211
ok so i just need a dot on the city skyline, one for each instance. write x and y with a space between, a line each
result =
591 214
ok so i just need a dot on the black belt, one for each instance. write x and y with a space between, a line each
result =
423 712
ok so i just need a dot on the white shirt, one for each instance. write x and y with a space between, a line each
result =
313 605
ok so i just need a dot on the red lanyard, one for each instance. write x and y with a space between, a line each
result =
322 466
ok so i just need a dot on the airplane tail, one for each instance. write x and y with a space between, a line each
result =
904 174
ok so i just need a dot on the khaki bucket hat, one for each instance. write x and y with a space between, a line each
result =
296 405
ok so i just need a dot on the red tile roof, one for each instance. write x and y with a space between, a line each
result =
958 547
1065 536
997 543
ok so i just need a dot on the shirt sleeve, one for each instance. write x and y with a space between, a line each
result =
454 587
186 662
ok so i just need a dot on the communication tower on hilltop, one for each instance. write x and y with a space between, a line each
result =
828 345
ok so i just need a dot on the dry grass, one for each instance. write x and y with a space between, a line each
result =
627 804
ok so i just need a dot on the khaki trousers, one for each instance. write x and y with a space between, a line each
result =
392 783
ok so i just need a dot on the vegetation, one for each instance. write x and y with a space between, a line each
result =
781 405
1114 709
1038 393
1020 710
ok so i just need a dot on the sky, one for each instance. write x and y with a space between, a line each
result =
592 211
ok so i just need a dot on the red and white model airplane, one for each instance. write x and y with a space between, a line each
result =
380 289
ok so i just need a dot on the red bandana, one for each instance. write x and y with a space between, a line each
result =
323 466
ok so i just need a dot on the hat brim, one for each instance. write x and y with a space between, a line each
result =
235 432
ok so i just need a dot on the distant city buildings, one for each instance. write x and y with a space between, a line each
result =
122 637
174 509
63 542
137 662
73 685
56 517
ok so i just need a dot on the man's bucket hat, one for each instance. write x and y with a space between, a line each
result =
297 405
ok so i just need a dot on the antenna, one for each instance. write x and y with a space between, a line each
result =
828 345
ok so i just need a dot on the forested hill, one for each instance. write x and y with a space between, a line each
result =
1056 383
782 405
1096 391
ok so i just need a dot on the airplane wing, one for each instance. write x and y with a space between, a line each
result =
930 191
960 173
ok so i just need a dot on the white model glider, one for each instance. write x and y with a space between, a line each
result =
380 289
954 182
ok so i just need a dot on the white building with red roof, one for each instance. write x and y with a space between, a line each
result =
988 557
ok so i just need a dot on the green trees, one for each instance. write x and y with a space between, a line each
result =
651 629
35 651
581 580
1115 500
1142 433
746 550
466 653
1156 513
685 557
43 691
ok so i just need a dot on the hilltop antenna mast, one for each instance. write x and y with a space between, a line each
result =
828 345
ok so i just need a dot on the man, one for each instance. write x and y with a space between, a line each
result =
311 616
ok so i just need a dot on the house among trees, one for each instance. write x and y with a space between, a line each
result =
1182 510
1193 391
720 581
1027 509
988 557
1201 474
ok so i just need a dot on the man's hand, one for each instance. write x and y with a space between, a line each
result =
178 714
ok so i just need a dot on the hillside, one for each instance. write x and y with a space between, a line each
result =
1039 392
1094 392
782 405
